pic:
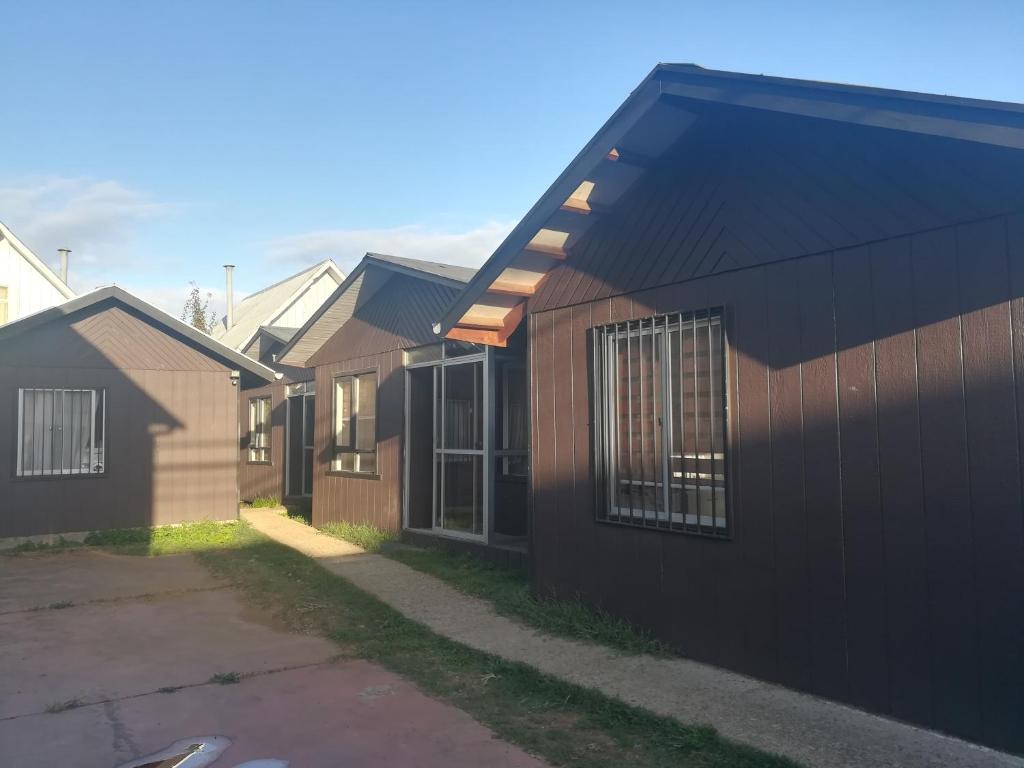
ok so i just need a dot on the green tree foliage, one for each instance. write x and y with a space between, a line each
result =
197 312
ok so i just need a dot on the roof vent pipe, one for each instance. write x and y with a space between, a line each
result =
64 253
229 275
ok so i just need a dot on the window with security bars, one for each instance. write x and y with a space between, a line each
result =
660 416
259 430
61 432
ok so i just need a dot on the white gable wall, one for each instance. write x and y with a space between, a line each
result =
299 311
28 291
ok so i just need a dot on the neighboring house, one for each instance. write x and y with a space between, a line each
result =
115 414
277 461
775 333
27 285
405 424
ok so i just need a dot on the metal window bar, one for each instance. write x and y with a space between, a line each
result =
660 423
60 432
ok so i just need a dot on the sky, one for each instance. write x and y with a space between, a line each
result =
159 141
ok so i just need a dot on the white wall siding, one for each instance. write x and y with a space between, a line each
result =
300 310
28 291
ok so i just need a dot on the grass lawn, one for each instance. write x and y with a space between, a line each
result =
562 723
508 591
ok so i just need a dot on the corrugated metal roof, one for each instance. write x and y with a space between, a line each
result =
263 306
172 324
363 282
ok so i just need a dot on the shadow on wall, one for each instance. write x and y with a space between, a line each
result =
877 413
165 435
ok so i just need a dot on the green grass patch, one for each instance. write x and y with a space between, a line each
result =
366 536
57 546
263 502
508 591
166 540
562 723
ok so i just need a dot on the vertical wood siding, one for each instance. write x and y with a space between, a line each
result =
171 446
266 480
875 476
376 500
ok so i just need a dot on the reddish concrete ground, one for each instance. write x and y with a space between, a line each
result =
113 652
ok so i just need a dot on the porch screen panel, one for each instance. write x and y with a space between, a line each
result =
660 413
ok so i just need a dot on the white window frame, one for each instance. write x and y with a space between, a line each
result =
352 446
97 464
260 410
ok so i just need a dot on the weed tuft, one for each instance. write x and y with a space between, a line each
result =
368 537
225 678
264 502
63 706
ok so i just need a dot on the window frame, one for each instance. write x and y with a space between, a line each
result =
269 417
352 448
98 397
604 370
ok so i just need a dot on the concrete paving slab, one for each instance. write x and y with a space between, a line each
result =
813 731
35 580
115 649
345 715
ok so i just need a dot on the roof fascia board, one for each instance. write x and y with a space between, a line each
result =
40 266
611 133
122 296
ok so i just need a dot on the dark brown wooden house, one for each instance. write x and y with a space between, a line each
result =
777 386
114 414
413 433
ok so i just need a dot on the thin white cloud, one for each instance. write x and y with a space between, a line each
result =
94 218
469 248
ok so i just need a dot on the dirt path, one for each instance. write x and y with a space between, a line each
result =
805 728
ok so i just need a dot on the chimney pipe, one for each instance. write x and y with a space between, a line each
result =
229 274
64 252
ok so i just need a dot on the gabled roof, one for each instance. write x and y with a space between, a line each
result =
39 265
158 316
372 272
280 333
654 117
265 306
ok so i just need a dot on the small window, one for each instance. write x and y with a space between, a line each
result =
3 304
661 416
355 423
259 430
61 432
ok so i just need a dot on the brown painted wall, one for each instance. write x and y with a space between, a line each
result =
877 412
398 317
255 480
171 427
350 497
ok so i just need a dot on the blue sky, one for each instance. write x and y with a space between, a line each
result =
160 140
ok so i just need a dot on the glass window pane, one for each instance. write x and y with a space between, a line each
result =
463 411
366 415
463 493
425 354
343 412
